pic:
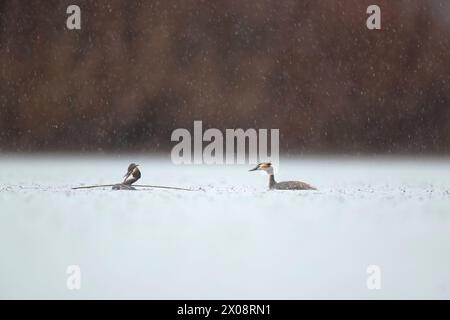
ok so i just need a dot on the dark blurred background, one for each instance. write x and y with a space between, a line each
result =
137 70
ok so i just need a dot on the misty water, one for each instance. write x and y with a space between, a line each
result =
233 238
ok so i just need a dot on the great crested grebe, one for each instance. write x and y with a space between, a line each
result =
285 185
133 174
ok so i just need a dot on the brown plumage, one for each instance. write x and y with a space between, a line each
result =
133 174
285 185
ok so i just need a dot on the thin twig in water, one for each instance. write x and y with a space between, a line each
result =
162 187
96 186
137 185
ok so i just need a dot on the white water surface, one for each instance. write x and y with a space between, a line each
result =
232 240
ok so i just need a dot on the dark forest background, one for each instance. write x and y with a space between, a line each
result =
137 70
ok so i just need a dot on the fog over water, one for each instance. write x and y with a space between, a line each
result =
234 239
78 105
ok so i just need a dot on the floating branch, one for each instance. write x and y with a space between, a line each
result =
133 174
96 186
163 187
138 186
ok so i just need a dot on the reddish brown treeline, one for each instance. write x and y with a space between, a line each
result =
139 69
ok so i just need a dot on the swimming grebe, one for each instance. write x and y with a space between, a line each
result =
133 174
285 185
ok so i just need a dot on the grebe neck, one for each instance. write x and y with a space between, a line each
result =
272 181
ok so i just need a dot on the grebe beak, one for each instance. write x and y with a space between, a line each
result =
254 169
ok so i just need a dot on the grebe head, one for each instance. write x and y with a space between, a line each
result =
265 166
132 169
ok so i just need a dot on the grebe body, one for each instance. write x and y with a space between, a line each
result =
285 185
133 174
